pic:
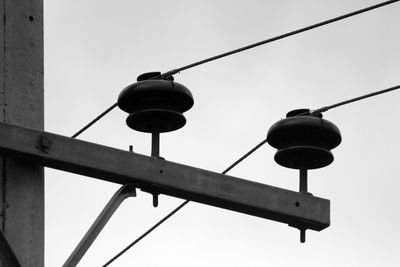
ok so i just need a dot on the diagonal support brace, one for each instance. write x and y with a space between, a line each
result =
7 255
123 193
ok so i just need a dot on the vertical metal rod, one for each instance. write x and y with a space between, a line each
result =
155 152
303 181
303 188
155 200
302 235
124 192
155 144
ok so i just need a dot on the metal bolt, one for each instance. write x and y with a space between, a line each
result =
155 200
302 235
44 144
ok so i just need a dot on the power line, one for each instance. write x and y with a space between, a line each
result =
345 102
94 121
323 109
181 205
147 232
270 40
351 14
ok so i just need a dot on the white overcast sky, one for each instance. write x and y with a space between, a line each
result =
94 48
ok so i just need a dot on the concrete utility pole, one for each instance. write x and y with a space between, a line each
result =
21 103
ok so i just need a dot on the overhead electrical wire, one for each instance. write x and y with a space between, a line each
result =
182 205
270 40
323 109
94 121
357 12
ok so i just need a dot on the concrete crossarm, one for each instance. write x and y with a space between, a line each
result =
163 177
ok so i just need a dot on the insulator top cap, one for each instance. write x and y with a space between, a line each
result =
302 130
156 93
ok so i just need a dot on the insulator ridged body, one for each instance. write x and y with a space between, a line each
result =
155 105
304 141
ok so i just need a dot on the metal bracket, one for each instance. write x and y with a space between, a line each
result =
128 190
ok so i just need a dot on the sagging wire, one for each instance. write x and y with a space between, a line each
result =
181 206
351 100
94 121
270 40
